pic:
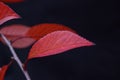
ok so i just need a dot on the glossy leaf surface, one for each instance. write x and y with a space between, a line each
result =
38 31
6 13
57 42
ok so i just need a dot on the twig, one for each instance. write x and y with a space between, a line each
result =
16 57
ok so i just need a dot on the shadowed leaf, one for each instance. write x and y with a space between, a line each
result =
6 13
16 34
38 31
23 42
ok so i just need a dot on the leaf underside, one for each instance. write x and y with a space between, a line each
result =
16 34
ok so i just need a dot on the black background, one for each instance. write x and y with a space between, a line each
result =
95 20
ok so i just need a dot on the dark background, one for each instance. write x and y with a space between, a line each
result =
95 20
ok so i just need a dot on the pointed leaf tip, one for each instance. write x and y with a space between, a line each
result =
57 42
6 13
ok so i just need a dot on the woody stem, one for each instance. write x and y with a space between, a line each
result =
16 58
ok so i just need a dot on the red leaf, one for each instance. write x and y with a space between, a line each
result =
6 13
3 70
11 1
23 42
57 42
15 31
41 30
16 34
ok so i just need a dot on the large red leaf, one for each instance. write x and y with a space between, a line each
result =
16 34
11 1
6 13
57 42
41 30
3 70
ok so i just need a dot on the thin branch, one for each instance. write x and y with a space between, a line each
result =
16 57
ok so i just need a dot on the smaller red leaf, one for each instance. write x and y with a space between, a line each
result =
15 31
3 70
16 34
6 13
11 1
57 42
38 31
23 42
